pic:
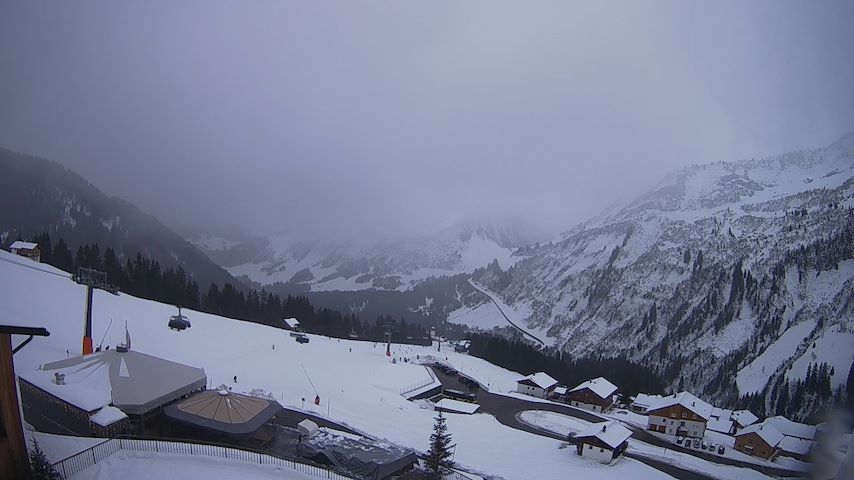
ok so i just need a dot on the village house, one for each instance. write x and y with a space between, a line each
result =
640 403
743 418
538 384
291 324
759 441
559 392
776 436
603 441
681 414
26 249
596 394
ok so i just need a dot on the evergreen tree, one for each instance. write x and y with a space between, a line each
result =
41 467
439 455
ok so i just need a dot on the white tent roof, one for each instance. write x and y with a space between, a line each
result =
541 379
611 432
23 245
768 433
687 400
600 386
132 381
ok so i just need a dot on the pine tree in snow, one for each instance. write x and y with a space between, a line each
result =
439 455
40 465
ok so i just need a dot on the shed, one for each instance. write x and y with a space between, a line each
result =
603 441
456 406
291 324
538 384
596 394
308 428
26 249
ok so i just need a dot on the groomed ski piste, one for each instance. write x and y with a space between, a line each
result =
358 385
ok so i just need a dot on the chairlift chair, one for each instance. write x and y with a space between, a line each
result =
179 322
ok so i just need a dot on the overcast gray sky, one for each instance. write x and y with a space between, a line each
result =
351 117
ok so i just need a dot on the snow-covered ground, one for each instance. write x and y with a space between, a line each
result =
753 377
148 465
358 385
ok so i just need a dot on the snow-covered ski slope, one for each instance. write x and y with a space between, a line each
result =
359 387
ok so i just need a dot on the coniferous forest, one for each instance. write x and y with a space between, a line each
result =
143 277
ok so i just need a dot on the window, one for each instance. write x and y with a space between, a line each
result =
673 415
684 415
589 447
682 423
601 450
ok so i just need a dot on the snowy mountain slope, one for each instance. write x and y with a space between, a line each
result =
709 268
358 385
40 196
387 265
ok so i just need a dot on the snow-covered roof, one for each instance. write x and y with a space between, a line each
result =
790 428
540 379
108 416
132 381
719 425
600 386
560 390
744 417
307 427
457 406
795 445
643 400
23 245
767 433
291 322
685 399
613 433
721 413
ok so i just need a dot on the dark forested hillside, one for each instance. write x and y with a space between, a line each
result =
42 196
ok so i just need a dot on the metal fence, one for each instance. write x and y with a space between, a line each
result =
91 456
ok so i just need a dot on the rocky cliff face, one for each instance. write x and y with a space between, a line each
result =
704 275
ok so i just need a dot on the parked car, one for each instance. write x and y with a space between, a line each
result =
721 449
302 339
712 447
696 443
679 440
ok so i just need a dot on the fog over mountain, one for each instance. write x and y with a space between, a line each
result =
352 120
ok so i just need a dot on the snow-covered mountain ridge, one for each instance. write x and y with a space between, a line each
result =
397 264
700 275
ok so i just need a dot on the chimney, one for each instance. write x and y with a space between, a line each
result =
59 378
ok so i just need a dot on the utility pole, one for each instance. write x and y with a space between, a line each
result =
92 279
389 324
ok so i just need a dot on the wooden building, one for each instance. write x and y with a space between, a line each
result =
26 249
681 414
537 385
14 461
603 441
759 441
596 395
